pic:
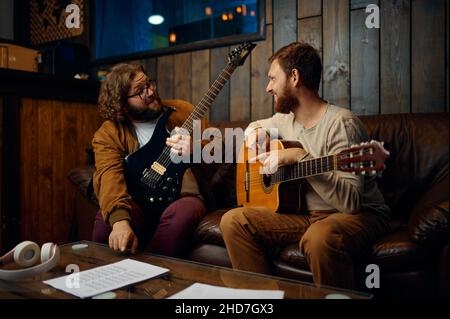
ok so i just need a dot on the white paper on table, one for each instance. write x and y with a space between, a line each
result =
101 279
203 291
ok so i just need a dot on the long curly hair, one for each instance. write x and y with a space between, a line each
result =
114 90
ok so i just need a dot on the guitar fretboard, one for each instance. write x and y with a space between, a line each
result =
201 108
305 168
205 103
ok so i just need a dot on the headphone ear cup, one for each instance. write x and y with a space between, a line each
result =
46 252
26 254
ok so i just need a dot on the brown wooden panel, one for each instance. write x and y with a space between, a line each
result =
220 109
262 102
88 121
285 23
150 67
45 171
395 56
71 128
240 92
308 8
268 11
165 76
58 203
428 56
361 4
10 171
310 31
54 138
200 76
364 66
28 167
336 52
182 76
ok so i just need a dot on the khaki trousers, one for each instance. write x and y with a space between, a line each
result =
328 240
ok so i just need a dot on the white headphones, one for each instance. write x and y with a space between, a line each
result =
26 254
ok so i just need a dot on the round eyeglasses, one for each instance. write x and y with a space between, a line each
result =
150 84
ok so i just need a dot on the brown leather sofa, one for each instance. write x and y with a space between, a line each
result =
413 259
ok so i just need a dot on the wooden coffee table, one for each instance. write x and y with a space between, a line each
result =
182 274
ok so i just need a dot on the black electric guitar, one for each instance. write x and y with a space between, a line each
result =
153 180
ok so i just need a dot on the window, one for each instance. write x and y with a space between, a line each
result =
137 28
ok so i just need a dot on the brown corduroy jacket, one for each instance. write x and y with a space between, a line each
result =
112 142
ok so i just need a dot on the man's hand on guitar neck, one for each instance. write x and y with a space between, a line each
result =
180 143
257 140
273 159
123 237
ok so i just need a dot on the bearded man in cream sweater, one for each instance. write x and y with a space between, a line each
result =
341 213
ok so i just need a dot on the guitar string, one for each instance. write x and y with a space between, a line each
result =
191 117
317 163
329 166
165 155
164 159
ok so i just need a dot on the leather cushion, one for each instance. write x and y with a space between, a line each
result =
395 252
210 254
292 256
428 222
208 230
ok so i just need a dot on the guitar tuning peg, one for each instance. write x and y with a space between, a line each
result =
373 172
354 173
363 172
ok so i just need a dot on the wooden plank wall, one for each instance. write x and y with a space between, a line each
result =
401 67
57 135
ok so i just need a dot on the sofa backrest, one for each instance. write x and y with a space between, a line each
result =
418 144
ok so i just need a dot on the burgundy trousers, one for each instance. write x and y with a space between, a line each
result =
171 236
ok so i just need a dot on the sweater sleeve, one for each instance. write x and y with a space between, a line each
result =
341 190
109 179
266 124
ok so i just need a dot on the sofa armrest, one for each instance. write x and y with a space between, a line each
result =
428 222
81 178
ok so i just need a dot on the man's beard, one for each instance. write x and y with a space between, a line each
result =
144 115
286 102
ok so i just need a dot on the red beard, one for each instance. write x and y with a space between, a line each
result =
286 102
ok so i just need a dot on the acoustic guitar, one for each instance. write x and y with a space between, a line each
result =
280 192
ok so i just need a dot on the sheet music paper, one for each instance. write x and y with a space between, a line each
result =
101 279
203 291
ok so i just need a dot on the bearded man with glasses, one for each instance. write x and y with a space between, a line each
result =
130 104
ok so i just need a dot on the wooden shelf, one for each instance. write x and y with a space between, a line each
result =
47 86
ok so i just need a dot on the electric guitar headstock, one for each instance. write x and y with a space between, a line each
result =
238 55
366 158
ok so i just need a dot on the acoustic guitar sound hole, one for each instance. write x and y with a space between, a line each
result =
266 180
